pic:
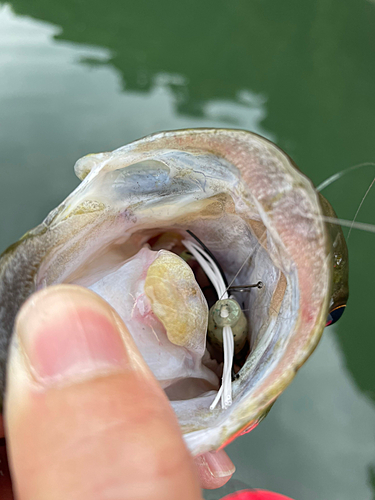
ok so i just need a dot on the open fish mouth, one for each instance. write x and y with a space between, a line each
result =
132 232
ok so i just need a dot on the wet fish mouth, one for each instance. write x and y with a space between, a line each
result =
136 231
239 250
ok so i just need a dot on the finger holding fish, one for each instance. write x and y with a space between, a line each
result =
80 395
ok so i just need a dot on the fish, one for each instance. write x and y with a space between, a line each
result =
178 225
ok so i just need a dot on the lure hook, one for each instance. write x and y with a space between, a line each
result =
246 288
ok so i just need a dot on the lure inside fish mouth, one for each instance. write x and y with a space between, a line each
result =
201 378
227 307
128 233
191 372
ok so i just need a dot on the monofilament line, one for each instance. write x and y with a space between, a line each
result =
210 268
338 175
259 242
363 226
360 206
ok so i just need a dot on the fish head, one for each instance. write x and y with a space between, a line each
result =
121 233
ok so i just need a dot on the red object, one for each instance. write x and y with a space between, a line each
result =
241 432
255 495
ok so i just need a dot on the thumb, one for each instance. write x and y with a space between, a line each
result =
85 417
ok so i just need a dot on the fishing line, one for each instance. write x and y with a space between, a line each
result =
208 251
259 242
364 226
360 205
338 175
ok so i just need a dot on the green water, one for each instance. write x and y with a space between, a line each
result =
80 76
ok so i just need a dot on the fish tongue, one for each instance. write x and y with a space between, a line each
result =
157 297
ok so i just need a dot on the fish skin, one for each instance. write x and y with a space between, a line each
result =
18 265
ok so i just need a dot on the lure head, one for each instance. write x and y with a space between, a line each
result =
243 197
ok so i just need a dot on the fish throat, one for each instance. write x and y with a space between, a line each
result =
194 333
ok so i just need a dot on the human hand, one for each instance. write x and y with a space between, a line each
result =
85 418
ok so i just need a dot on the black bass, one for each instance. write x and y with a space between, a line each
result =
212 247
